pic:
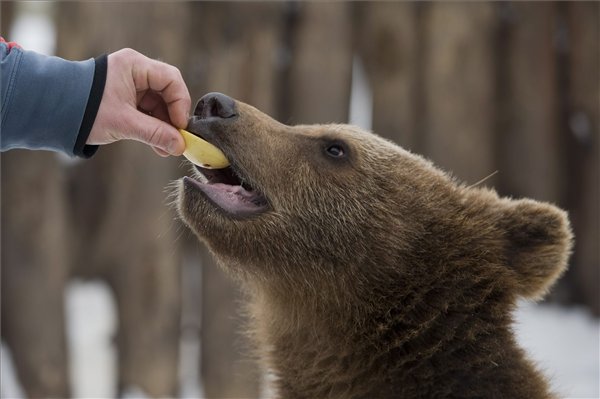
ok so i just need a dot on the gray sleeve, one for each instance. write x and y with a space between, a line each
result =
43 99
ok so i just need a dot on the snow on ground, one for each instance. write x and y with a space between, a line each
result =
360 112
91 326
563 341
33 28
9 386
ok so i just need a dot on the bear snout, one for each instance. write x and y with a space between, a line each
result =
212 116
215 105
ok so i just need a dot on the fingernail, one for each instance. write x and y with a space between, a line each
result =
173 147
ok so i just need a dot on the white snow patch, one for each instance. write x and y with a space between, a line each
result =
9 384
189 362
190 385
361 97
33 28
91 325
134 392
565 343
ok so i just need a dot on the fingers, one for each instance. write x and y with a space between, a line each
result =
160 152
142 100
152 104
156 133
166 80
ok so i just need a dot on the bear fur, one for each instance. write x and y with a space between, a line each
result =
369 272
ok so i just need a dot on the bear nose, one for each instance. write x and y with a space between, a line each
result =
215 105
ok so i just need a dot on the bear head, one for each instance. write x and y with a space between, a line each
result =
323 210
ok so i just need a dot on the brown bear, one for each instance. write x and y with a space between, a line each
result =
369 272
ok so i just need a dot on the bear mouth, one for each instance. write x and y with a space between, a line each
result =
228 191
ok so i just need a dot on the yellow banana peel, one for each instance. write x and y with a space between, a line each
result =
200 152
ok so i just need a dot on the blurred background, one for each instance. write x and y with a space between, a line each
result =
104 293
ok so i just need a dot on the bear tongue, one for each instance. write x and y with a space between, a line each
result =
234 199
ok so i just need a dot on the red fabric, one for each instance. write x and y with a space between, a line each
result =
10 44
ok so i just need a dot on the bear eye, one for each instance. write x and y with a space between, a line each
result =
336 151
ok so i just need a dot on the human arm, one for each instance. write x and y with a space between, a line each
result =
144 100
44 100
68 106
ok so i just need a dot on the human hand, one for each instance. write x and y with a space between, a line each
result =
143 100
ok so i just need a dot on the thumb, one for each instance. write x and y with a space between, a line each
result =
157 133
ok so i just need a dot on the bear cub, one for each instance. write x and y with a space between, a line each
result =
369 272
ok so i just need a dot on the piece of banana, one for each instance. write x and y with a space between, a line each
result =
202 153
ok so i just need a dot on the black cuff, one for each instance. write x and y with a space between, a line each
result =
91 109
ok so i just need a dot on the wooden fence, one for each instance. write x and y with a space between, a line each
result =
477 87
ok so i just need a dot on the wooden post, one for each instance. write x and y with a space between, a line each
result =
7 10
531 161
583 119
458 116
387 42
320 68
34 264
236 51
133 244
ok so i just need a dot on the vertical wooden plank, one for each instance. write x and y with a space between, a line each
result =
92 28
228 367
7 9
34 269
459 88
34 262
321 63
235 50
531 162
387 43
141 264
583 121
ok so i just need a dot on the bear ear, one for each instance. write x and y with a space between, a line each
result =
538 244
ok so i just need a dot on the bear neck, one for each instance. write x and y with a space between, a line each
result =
409 345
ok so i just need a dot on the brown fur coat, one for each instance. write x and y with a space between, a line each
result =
370 273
